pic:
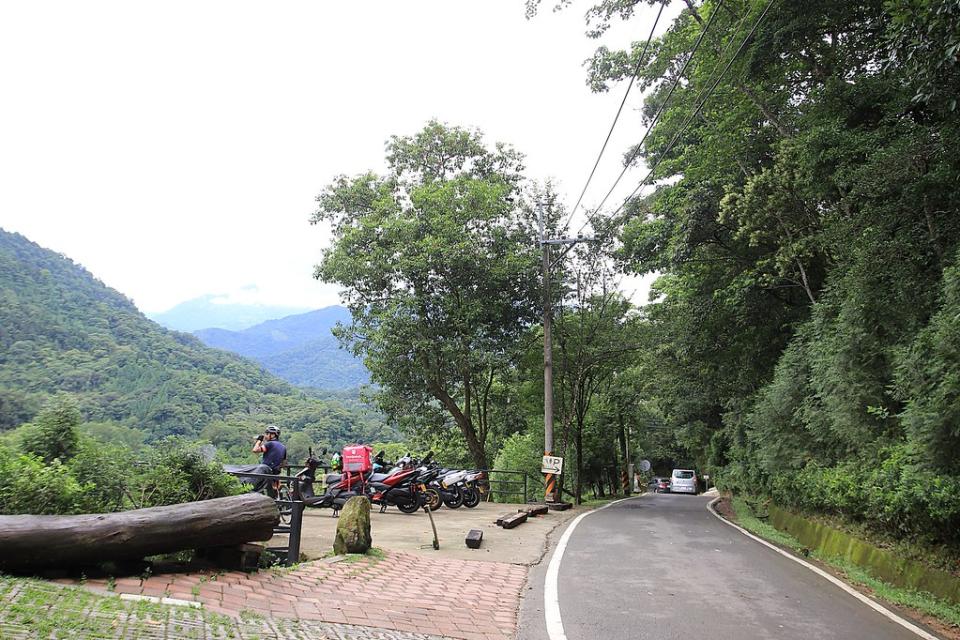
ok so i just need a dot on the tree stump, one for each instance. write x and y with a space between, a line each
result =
353 528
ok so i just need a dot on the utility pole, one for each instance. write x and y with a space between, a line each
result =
550 480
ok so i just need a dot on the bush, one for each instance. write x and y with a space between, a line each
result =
177 473
898 494
105 470
520 452
27 485
53 435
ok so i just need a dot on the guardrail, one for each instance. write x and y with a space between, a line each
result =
289 554
504 484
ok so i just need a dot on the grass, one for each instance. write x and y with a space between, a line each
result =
946 612
35 608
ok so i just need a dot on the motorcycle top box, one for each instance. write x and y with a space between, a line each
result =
357 458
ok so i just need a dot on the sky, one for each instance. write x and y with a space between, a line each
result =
175 149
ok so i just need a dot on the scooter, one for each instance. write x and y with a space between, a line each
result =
340 487
449 484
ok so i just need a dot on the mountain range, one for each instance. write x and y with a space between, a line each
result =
299 348
65 333
213 311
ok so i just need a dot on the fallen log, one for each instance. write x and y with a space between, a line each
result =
30 542
538 510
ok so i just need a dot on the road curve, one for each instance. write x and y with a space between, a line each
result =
663 567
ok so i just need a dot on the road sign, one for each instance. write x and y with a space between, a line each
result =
645 465
552 464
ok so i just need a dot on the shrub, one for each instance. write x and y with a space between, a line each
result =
177 473
520 452
28 485
891 490
53 435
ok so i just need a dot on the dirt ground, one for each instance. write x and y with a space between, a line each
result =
395 531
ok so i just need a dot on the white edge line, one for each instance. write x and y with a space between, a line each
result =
551 600
823 574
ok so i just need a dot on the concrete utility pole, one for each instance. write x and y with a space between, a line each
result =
550 492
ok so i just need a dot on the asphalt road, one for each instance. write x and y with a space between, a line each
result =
661 566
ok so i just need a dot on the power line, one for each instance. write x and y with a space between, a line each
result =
695 113
656 117
633 78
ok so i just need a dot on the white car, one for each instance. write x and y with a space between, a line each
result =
684 481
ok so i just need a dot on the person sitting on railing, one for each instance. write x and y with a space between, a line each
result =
274 454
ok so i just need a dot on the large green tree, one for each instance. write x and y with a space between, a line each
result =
439 266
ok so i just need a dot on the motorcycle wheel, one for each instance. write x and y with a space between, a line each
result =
433 500
471 498
408 507
456 500
286 510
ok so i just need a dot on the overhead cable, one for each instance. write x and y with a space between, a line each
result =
695 113
633 78
663 106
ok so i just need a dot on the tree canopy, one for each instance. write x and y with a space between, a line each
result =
439 266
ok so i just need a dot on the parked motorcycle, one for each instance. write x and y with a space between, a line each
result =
403 487
340 487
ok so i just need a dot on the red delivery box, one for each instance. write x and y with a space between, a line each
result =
356 457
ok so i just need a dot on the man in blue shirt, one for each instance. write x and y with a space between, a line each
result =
274 452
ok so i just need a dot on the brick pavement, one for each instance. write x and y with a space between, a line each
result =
404 592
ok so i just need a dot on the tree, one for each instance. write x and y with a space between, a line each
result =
439 270
54 434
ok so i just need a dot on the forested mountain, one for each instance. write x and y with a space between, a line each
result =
207 311
300 349
64 332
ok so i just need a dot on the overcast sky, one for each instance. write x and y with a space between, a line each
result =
174 149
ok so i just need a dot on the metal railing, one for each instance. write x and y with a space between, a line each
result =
290 554
516 483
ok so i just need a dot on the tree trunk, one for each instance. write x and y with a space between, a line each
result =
579 438
32 542
624 457
474 444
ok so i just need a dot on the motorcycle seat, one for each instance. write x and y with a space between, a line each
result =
379 477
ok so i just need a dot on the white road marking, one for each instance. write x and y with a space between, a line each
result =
820 572
551 593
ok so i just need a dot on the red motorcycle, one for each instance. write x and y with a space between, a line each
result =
403 487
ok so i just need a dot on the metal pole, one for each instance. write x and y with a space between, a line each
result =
296 523
550 481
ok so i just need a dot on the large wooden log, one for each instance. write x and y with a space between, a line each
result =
29 542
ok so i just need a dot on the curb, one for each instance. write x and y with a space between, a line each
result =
890 615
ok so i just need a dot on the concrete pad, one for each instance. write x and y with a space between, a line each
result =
395 531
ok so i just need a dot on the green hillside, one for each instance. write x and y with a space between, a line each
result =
64 332
300 348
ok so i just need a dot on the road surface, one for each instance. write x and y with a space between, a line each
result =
662 567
